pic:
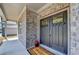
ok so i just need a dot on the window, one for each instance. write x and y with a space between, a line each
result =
44 22
2 27
58 18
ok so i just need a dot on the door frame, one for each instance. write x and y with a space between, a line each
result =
68 26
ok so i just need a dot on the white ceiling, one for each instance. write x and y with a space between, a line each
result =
36 6
12 10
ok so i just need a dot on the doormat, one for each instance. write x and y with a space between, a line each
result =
39 51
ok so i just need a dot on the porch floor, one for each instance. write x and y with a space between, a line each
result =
13 47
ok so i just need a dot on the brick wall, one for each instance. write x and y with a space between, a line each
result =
74 28
31 28
22 29
27 28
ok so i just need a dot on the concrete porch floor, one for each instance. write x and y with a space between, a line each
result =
13 47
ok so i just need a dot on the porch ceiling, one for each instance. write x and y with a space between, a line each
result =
12 10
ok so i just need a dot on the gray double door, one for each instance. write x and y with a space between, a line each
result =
54 35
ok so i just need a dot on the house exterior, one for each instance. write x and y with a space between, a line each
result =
31 28
54 26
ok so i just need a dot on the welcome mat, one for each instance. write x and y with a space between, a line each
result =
39 51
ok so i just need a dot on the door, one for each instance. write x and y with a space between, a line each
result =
59 32
44 32
54 34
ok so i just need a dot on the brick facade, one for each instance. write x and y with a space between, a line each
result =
27 28
74 28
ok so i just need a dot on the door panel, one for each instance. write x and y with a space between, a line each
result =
44 32
53 35
57 37
44 35
65 37
56 34
60 35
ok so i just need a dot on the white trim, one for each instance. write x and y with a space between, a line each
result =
2 14
56 12
45 6
68 28
52 50
24 9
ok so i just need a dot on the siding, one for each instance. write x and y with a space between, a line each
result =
11 28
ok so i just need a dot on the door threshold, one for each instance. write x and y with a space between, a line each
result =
52 50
